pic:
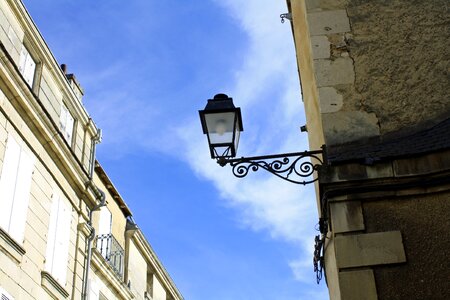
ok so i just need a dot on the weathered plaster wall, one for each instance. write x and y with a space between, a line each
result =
380 66
401 60
424 222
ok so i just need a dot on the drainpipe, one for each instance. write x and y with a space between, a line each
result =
130 229
95 140
99 195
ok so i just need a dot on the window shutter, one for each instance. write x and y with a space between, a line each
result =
63 118
104 226
30 67
66 123
58 239
62 241
8 179
23 59
27 66
51 237
69 127
21 196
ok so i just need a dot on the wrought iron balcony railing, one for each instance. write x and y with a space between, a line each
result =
111 250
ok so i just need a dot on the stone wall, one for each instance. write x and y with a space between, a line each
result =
423 221
401 60
369 69
23 272
380 66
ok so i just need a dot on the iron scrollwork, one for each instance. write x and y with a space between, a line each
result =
319 241
292 167
318 259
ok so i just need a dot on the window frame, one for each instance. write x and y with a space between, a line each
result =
35 56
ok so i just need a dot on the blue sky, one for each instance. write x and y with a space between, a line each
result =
147 67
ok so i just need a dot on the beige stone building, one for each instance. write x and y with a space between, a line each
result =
375 82
65 231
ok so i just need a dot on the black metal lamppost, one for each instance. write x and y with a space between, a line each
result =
222 123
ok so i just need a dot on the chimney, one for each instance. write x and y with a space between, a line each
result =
64 68
74 84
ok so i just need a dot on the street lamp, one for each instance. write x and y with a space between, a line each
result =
222 123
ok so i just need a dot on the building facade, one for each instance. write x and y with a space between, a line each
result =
65 232
375 81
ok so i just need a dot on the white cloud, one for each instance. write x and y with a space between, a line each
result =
266 86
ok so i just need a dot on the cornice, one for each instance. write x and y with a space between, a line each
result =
112 189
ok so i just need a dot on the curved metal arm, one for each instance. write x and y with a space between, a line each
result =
292 167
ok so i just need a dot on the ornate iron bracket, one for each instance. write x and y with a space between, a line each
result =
292 167
319 241
318 258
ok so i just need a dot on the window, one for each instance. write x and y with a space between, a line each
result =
27 66
106 243
15 183
104 226
57 254
104 232
66 122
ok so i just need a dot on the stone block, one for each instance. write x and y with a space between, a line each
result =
346 216
320 47
334 72
330 100
355 171
28 285
380 170
331 269
30 267
369 249
35 252
424 164
346 172
346 126
326 22
357 285
8 283
36 230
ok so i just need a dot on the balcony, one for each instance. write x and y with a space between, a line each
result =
112 252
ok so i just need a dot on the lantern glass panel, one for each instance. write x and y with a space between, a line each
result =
220 127
238 134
